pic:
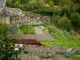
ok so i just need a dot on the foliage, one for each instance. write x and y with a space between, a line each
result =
17 5
8 2
65 11
27 29
74 57
69 37
7 51
64 23
75 19
60 42
65 3
78 8
76 1
3 29
51 4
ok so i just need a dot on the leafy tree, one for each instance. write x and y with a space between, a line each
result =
56 2
65 3
51 3
76 1
17 5
62 22
8 2
75 19
66 10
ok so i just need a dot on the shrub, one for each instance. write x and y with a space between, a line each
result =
3 29
78 8
27 29
75 19
64 23
65 10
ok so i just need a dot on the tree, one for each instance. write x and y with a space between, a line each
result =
75 19
62 22
17 4
51 4
8 2
65 3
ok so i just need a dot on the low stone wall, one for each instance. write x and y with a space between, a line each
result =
44 49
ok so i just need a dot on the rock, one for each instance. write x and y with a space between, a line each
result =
78 51
69 50
73 51
66 54
18 16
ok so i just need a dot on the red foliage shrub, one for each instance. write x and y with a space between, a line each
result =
28 42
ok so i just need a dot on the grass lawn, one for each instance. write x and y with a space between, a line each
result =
65 43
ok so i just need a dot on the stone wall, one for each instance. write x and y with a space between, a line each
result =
44 49
17 16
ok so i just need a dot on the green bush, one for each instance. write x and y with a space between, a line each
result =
75 19
27 29
66 10
62 22
3 29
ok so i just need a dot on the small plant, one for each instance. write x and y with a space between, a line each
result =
26 52
66 54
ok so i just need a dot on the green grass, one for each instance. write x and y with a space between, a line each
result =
65 43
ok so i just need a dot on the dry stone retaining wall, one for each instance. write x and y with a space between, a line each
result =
44 49
18 16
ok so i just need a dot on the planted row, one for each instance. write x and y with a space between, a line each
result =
28 42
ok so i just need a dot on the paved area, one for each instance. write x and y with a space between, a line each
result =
44 37
38 30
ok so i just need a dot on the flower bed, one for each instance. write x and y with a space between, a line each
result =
28 42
